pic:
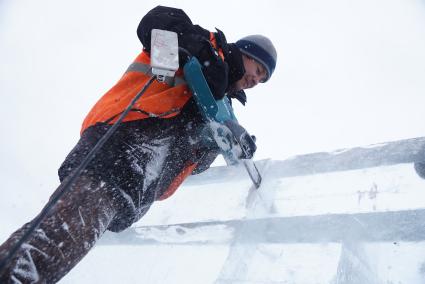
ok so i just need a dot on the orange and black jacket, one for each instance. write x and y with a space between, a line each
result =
165 111
164 100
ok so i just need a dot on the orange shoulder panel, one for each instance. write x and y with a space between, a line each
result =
158 99
214 44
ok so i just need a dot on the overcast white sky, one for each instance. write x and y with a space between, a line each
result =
349 73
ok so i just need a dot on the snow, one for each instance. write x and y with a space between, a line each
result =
293 263
348 74
149 264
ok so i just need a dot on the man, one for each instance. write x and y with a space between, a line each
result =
156 147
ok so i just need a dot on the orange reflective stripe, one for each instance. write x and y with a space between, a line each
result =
178 181
214 44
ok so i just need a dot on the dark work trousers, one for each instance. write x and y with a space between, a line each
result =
64 237
117 188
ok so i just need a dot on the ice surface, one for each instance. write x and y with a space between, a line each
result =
351 226
354 225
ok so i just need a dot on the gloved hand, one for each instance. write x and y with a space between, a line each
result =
204 157
192 38
243 139
215 69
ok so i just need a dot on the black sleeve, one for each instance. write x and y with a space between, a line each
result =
192 38
171 19
205 161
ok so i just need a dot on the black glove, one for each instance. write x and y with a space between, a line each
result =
204 158
215 70
234 59
243 139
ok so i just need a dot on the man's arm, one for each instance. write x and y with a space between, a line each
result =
175 20
192 38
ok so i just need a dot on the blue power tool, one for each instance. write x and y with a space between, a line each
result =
233 140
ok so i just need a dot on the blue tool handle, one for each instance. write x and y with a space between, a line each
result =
213 110
200 89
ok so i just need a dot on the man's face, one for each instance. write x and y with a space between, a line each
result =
254 74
